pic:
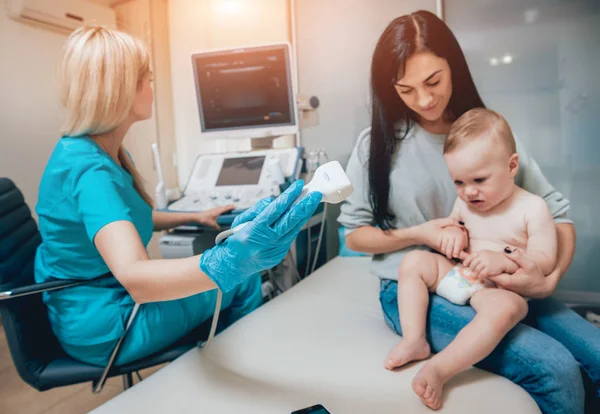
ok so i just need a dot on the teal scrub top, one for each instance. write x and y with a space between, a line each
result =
82 190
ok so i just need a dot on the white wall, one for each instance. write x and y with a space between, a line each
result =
335 45
197 25
30 111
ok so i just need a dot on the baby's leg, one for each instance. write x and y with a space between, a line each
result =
417 276
498 311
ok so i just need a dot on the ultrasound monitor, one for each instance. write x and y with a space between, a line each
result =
240 171
245 92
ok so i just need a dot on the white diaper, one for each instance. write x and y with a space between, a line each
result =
458 286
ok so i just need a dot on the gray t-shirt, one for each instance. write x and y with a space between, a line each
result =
422 190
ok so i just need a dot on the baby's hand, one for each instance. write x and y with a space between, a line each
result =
454 241
485 263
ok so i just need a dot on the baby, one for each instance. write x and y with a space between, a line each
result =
498 217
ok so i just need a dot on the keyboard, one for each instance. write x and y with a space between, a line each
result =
205 200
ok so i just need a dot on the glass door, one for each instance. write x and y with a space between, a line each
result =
537 62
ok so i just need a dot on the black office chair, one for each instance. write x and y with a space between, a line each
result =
35 351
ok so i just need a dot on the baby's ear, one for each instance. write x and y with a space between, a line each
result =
513 164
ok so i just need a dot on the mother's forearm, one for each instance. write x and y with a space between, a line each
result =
565 233
373 240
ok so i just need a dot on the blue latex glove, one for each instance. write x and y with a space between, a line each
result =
264 242
253 212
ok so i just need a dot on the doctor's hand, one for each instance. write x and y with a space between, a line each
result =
209 217
263 243
252 212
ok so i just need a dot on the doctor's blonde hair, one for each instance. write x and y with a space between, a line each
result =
100 72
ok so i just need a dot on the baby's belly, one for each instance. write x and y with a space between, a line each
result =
479 244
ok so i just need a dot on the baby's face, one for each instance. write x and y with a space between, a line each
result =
483 173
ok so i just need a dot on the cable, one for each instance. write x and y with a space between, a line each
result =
308 249
289 253
320 238
215 320
274 281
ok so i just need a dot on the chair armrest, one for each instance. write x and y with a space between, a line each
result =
45 287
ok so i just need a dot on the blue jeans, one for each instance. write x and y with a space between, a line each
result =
544 354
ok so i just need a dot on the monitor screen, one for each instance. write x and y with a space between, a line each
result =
244 88
240 171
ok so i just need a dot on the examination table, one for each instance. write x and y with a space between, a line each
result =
322 342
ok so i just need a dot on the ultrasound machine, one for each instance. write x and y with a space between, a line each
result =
242 93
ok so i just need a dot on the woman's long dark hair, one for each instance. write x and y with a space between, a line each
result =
404 36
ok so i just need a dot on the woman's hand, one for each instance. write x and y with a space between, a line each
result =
430 233
209 217
527 281
272 227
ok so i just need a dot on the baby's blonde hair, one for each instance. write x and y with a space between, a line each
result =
477 123
100 72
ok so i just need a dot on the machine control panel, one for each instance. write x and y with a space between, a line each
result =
236 178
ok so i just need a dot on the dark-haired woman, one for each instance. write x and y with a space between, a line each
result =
420 84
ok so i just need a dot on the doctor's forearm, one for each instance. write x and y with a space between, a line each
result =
147 280
167 220
565 233
162 280
373 240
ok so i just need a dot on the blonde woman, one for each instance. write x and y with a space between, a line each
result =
96 218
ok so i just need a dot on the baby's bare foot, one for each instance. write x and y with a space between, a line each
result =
406 351
428 385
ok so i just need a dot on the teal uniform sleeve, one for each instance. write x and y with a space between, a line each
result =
99 194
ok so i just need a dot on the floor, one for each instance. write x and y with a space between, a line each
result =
17 397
